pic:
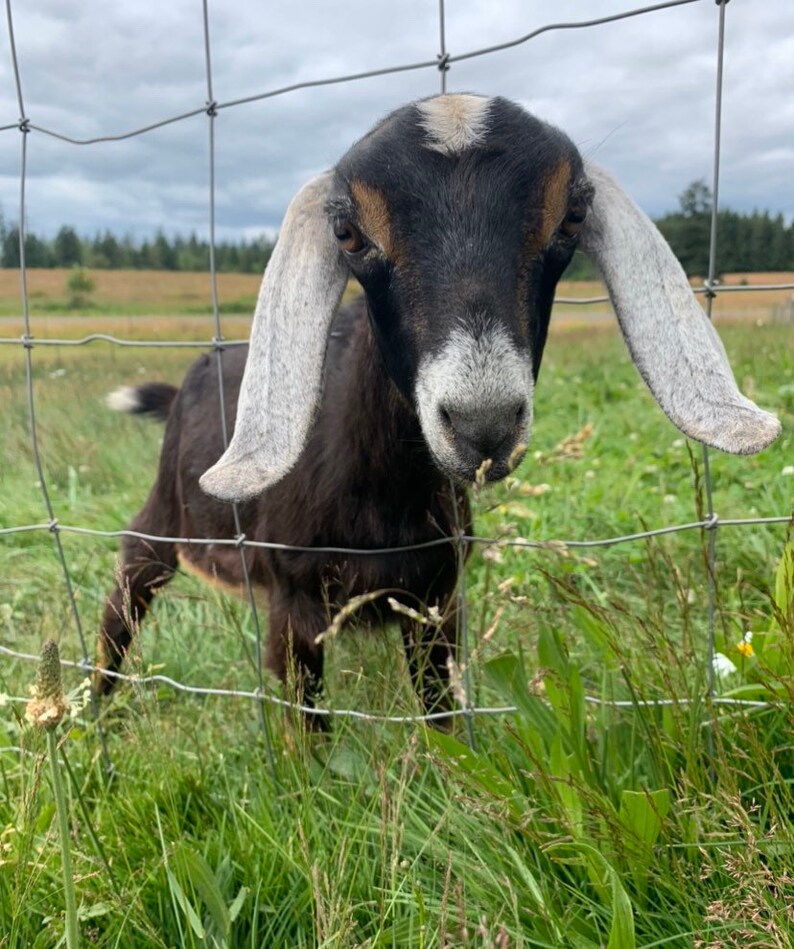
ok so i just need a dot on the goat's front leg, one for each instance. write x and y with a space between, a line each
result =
145 567
293 652
429 649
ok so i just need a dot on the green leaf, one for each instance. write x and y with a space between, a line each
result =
184 904
784 583
44 818
607 881
506 675
563 767
642 814
468 764
595 633
237 903
551 653
546 910
195 871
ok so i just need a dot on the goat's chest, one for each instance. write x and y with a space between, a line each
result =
365 546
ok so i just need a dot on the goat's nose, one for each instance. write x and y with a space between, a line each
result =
486 432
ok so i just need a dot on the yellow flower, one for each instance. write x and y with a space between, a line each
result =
745 647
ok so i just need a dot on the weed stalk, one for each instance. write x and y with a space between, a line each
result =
45 711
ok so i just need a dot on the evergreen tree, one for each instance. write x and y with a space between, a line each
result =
11 247
67 249
745 242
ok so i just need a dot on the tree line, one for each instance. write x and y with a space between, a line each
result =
105 251
746 242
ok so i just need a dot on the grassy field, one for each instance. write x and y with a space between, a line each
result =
569 824
137 300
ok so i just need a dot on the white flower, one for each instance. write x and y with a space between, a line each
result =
788 471
722 665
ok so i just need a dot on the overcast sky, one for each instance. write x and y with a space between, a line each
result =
637 94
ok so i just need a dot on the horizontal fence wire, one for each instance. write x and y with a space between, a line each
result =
258 695
709 523
212 106
27 342
711 288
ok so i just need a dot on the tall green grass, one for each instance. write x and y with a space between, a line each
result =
568 824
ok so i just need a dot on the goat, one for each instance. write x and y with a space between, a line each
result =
360 427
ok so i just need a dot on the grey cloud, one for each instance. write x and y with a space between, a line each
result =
638 95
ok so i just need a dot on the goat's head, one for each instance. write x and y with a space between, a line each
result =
458 215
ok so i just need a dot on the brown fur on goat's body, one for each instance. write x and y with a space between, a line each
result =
382 491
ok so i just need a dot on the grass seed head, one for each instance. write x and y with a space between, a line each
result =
49 704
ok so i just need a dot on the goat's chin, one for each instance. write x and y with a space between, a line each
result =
466 472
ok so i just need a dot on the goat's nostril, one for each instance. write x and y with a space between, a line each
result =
483 431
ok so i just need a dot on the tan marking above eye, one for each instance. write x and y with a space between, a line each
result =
553 202
373 215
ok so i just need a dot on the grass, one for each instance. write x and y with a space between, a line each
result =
130 294
569 824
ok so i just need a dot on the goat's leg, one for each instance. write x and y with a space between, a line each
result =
293 653
145 567
429 649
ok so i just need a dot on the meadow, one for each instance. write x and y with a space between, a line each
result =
573 822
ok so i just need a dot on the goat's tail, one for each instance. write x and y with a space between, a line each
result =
152 398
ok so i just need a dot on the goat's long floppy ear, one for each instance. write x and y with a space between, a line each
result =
673 344
281 384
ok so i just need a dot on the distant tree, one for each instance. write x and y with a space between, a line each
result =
778 255
144 260
745 242
37 251
67 250
163 255
688 231
79 285
696 199
10 255
106 252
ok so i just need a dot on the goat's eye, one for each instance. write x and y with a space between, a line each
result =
349 238
574 219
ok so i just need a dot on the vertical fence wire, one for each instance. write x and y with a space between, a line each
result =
711 618
461 600
24 129
711 523
212 114
443 57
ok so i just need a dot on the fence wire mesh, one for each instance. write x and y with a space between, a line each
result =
711 523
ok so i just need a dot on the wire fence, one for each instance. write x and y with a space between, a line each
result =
210 109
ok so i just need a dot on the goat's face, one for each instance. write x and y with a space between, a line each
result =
458 215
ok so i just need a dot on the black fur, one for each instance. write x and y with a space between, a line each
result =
153 399
382 490
472 243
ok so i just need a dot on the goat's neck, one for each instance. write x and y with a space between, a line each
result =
386 443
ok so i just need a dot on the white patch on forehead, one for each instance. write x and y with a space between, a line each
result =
455 122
